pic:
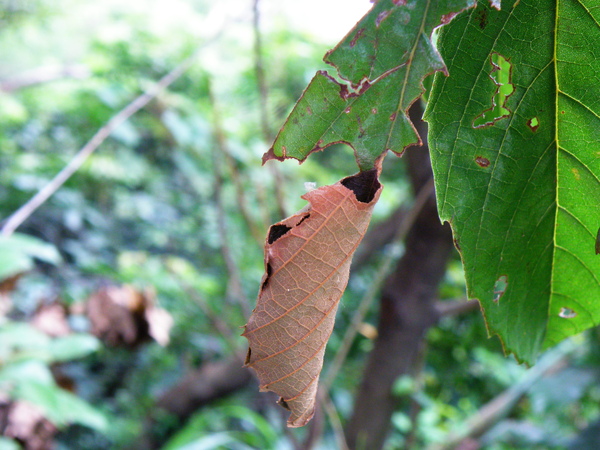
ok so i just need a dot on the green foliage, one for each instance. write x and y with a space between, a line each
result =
142 211
17 253
513 135
25 354
204 430
521 191
385 58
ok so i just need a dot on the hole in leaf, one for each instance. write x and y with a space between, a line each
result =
268 273
598 242
533 124
501 75
567 313
304 217
283 403
482 162
276 231
364 185
500 288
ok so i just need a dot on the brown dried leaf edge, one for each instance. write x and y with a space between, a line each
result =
307 264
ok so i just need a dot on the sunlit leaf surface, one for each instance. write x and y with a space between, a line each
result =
521 188
384 58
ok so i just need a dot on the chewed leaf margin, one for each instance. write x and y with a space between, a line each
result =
381 63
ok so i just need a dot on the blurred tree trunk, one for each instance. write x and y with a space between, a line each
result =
407 310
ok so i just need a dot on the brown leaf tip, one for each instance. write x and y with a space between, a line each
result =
364 185
270 154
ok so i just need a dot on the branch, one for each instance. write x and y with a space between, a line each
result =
17 218
336 423
235 175
235 282
264 112
449 308
498 408
224 329
44 75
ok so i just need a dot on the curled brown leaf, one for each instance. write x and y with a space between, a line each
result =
307 264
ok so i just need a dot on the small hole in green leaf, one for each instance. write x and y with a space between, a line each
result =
598 242
533 124
567 313
501 75
500 288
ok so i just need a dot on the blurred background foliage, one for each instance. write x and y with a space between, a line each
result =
165 220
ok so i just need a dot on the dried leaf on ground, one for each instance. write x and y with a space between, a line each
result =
307 262
125 316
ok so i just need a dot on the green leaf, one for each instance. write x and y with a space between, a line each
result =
522 192
23 372
72 346
31 380
60 406
21 341
8 444
385 58
17 253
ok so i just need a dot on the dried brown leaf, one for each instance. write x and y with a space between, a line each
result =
307 262
125 316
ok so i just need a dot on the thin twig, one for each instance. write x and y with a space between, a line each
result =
242 201
224 329
383 271
44 74
334 420
261 197
316 425
450 308
418 373
235 281
264 110
499 407
18 217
